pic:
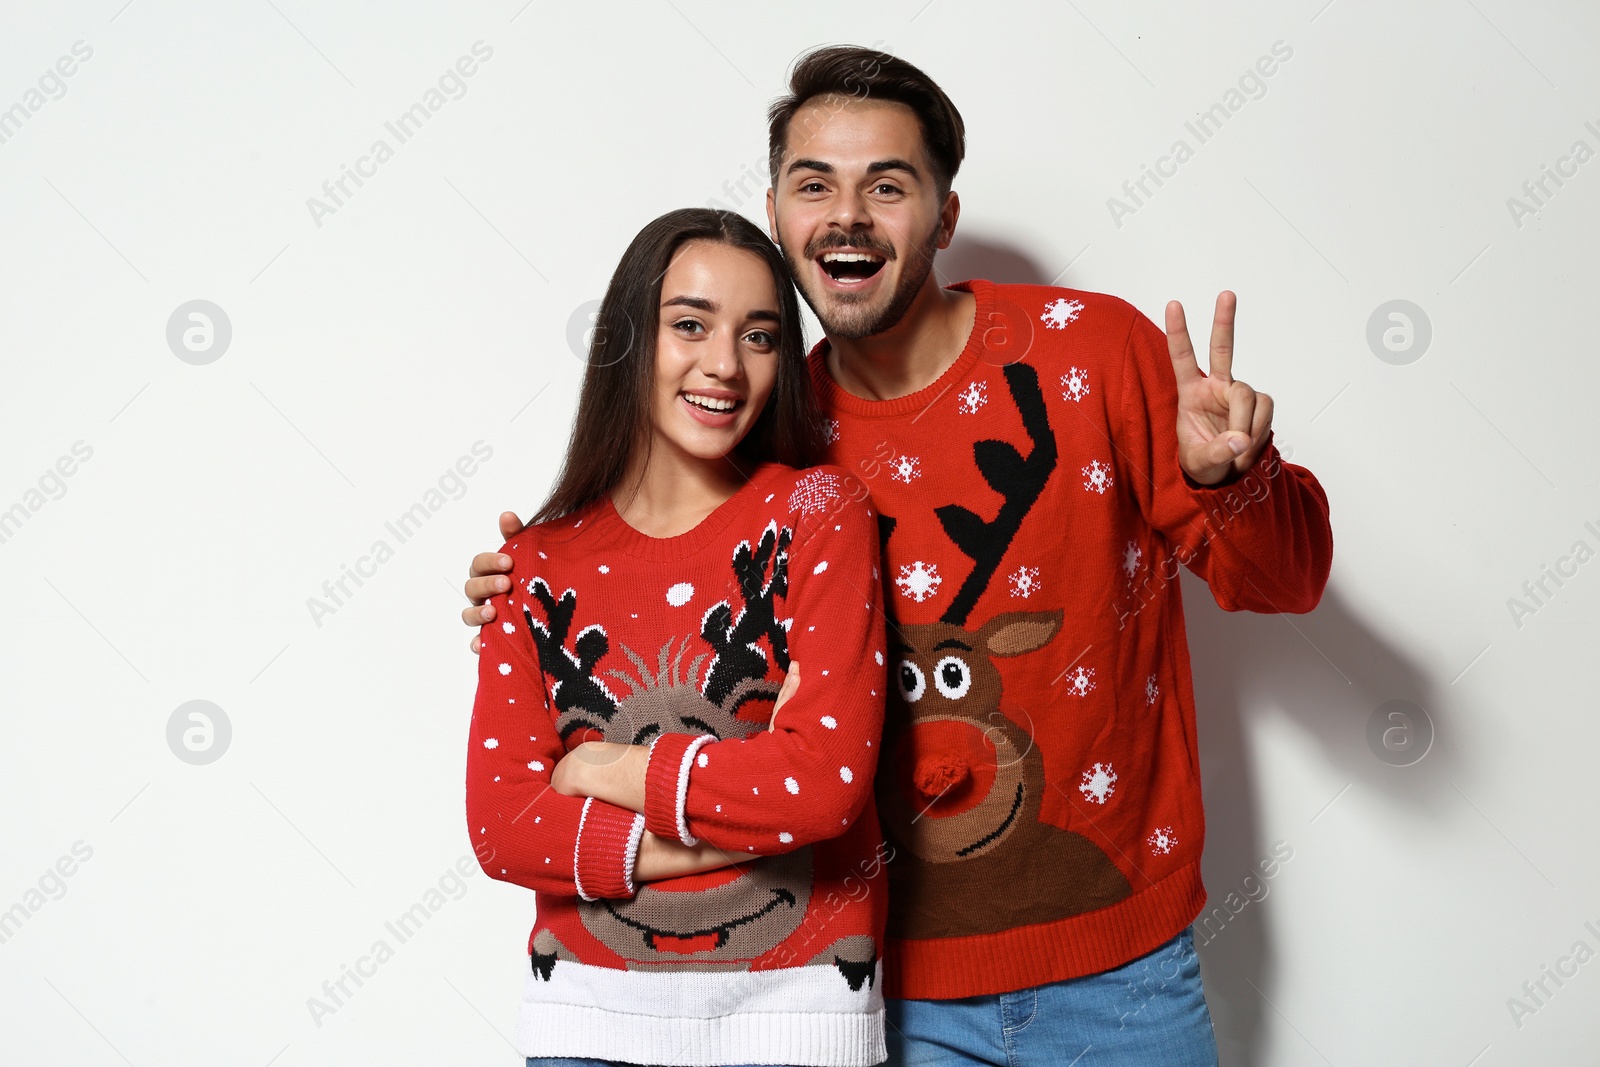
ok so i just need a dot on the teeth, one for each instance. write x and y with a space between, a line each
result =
850 257
710 403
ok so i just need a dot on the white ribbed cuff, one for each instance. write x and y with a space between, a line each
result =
683 788
632 854
577 879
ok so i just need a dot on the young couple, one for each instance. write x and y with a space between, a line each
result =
681 739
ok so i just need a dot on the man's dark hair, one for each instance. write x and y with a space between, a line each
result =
854 74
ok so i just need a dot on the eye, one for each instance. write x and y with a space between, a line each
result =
813 187
886 189
952 677
912 683
689 326
761 338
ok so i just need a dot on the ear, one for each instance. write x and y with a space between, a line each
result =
947 218
1016 632
772 216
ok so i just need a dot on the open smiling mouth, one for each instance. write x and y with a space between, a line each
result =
850 265
713 937
714 404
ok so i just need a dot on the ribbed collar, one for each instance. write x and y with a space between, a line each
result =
834 397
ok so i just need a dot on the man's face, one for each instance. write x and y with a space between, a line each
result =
858 213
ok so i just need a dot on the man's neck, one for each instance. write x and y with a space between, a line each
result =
912 353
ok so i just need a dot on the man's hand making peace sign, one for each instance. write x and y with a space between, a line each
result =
1223 424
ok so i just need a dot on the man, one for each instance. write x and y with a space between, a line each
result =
1042 460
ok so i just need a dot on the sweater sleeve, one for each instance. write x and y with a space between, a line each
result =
1260 539
806 779
523 831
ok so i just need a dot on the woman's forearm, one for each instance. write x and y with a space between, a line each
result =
660 858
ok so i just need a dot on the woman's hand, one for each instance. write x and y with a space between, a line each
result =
604 770
791 683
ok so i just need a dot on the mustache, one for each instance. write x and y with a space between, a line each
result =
861 242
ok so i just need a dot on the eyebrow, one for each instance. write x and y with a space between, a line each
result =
702 304
878 167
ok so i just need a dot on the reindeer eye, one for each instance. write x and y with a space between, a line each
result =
912 683
953 677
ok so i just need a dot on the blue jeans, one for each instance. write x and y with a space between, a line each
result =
1149 1011
575 1061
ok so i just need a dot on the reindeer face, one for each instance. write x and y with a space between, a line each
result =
718 920
669 699
959 775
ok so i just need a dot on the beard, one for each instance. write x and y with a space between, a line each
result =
849 316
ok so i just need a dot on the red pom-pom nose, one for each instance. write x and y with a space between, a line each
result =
937 774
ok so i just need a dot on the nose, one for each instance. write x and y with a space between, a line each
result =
945 766
848 209
720 358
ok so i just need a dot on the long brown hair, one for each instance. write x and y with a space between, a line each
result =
614 406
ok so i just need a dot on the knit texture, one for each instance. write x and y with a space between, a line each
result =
1040 782
681 643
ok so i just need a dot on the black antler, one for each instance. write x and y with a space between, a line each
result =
576 687
738 657
1018 480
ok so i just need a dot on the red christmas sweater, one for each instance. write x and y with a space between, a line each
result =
682 643
1040 784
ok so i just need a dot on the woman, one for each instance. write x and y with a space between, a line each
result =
707 866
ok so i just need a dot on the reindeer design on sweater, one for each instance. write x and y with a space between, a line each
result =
961 783
720 919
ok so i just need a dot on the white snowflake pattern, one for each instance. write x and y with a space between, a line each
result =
918 580
1130 559
973 397
1097 476
1025 582
1074 384
816 491
905 468
830 430
1161 840
1061 312
1099 782
1151 690
1082 681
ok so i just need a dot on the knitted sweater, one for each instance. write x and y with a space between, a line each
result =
1040 781
682 643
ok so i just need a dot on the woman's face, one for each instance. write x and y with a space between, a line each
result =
716 348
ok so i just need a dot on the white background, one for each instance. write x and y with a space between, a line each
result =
432 311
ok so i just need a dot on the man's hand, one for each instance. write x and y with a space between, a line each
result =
1223 424
488 577
791 682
